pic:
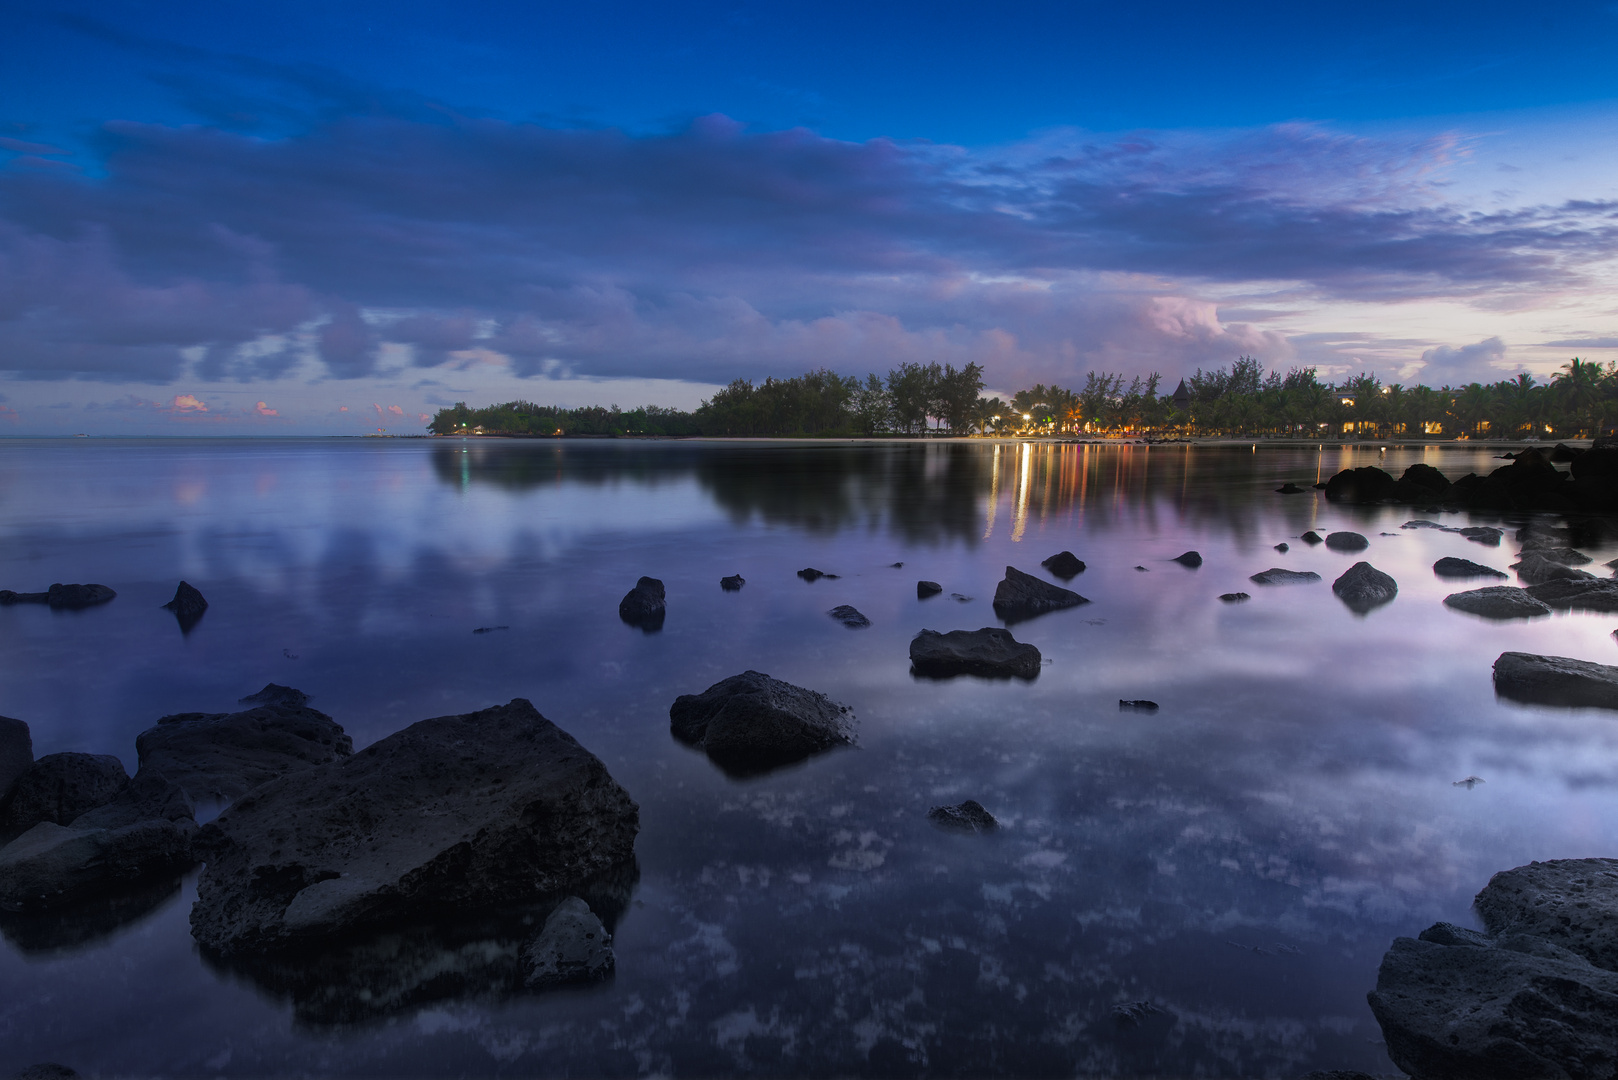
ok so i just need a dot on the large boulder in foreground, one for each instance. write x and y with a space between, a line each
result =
751 723
1534 995
991 651
221 756
1555 680
60 787
1022 596
1498 602
451 814
1363 587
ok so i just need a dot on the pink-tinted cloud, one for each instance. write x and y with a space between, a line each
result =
342 408
188 403
395 410
263 409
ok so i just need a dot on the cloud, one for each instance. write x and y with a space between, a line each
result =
361 240
1446 366
395 410
188 403
342 408
264 410
1585 343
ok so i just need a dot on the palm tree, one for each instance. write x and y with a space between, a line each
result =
1578 389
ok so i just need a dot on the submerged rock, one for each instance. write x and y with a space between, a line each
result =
1289 488
809 573
1449 566
1534 995
1022 596
849 616
70 597
573 947
1498 602
991 652
187 605
751 723
1191 559
60 787
1555 680
1136 705
222 756
1234 597
1347 541
1277 576
643 605
733 583
1363 587
452 814
966 817
924 589
1283 547
1064 564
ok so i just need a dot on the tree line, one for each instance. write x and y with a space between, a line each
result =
1580 400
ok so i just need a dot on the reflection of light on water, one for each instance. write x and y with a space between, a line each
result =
994 492
1019 516
187 492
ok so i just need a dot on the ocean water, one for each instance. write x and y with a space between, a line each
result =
1238 861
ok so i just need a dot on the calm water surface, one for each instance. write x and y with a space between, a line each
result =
1240 859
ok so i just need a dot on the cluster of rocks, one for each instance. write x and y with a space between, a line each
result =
1535 994
335 876
1531 482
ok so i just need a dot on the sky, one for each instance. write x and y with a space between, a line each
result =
301 218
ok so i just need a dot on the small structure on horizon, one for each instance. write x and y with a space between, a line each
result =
1181 397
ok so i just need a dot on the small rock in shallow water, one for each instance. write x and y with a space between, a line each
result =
960 598
573 947
1482 534
70 597
1347 541
1449 566
1290 488
1277 576
1283 548
187 605
896 566
1469 783
1363 587
849 616
733 583
1555 680
1191 559
1143 569
1498 602
991 652
809 573
1064 564
966 817
644 606
1022 596
924 589
751 723
1234 597
1312 537
1136 705
1536 570
489 629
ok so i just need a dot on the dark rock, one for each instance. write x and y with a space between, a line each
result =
1426 525
1277 576
1562 453
1449 566
809 573
1555 680
960 598
924 589
1283 547
1498 602
489 629
849 616
1363 587
60 787
1290 488
452 814
1136 705
187 605
276 694
46 1070
1132 1014
1190 559
967 817
1482 534
1367 484
1575 594
70 597
643 605
896 566
1064 564
1566 556
1535 570
51 864
573 947
222 756
1347 541
16 754
1420 483
1234 597
1535 995
733 583
751 723
1311 537
991 652
1022 596
1143 569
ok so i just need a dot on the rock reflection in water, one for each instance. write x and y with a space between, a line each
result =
455 956
71 927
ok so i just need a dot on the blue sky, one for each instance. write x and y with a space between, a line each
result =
333 217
